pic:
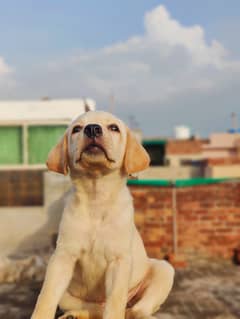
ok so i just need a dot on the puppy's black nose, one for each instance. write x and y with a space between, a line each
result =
93 130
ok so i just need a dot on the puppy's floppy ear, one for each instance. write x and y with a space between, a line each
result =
58 158
136 158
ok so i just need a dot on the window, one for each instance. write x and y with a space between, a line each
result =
40 141
28 144
156 151
11 145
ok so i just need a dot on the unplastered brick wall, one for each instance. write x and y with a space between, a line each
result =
21 188
153 217
178 147
223 161
208 219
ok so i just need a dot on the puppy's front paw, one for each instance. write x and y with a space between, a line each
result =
81 314
75 315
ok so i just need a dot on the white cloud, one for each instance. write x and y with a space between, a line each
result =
163 29
168 60
4 68
168 65
7 81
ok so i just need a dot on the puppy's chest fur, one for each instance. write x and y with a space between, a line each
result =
89 274
97 235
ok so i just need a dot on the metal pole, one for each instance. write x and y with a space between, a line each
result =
175 225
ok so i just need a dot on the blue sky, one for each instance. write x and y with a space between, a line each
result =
30 28
44 40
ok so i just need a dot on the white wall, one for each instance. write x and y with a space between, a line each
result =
27 229
222 171
17 224
170 172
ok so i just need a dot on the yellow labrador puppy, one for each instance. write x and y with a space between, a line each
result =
100 268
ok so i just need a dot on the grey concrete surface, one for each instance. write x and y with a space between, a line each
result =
209 290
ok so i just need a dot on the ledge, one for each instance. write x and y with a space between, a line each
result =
179 182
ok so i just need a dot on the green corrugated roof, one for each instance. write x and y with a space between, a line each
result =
154 142
178 182
149 182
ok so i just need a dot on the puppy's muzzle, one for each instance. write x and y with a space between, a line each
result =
93 131
93 147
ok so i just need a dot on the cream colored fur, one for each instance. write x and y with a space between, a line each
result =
100 264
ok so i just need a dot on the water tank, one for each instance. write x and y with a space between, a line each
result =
182 132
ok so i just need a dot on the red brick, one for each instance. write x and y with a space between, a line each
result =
208 218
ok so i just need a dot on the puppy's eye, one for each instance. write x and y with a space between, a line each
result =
114 128
76 129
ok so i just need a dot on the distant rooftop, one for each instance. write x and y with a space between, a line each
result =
222 140
44 110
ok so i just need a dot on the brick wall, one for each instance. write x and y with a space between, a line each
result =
208 219
153 217
222 161
21 188
182 147
208 216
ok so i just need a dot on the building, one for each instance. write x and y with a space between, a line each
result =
216 157
222 145
28 130
222 155
173 158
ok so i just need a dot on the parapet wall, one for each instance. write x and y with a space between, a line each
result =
201 220
207 219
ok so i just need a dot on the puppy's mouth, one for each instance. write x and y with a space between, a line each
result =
95 149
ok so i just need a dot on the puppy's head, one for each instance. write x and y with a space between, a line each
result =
97 142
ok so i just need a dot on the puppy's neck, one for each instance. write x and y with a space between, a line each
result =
101 188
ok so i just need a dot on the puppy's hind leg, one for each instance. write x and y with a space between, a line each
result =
156 292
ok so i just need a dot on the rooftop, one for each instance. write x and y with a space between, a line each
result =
43 110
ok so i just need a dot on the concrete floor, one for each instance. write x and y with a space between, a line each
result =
209 291
206 290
